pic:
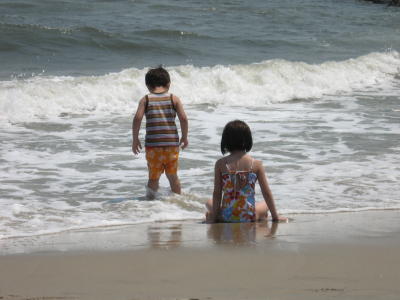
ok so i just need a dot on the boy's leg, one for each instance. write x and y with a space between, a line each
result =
174 183
153 184
152 188
155 170
171 168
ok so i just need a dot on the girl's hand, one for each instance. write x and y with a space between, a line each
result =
281 219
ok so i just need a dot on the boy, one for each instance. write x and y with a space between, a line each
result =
162 139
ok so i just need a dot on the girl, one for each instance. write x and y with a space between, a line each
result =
235 177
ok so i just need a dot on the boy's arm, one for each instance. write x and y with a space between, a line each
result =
267 194
183 121
137 121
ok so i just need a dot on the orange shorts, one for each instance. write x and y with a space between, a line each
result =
160 159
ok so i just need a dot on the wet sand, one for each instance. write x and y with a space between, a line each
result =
346 255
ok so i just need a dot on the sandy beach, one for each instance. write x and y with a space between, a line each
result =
346 255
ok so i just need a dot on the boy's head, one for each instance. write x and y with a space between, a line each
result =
236 137
157 77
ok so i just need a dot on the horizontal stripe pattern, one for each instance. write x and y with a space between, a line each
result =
153 119
159 111
163 115
161 127
162 144
163 135
160 121
159 140
153 132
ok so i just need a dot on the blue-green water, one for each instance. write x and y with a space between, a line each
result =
86 37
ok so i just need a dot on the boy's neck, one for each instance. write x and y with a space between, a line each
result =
159 90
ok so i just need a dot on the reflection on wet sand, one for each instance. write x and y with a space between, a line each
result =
244 234
165 237
169 236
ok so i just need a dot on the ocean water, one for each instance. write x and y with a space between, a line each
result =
317 81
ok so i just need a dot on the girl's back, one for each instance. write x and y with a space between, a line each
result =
238 179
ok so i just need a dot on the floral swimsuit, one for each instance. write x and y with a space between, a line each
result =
238 201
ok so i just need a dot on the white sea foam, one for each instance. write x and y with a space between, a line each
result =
257 84
339 153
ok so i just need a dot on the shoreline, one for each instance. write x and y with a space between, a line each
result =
323 228
348 255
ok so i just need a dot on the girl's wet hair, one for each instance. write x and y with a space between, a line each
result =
157 77
236 137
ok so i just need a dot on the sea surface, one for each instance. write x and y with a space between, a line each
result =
318 82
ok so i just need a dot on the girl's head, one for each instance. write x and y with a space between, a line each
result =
236 137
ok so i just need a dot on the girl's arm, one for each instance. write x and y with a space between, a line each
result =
267 194
217 194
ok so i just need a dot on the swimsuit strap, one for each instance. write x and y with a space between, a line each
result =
237 167
251 167
227 166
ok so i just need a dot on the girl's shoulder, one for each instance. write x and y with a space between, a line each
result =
220 162
256 164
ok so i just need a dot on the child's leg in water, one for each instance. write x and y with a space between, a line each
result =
174 183
152 188
261 211
209 206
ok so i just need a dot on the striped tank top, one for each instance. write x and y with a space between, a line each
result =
161 129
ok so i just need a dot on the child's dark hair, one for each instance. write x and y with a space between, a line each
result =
236 137
157 77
